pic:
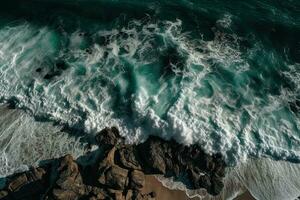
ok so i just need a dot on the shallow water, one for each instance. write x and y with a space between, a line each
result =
264 178
25 142
225 75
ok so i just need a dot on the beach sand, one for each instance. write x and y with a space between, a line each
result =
152 184
163 193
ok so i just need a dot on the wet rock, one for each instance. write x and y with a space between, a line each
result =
127 157
129 195
194 178
204 182
118 173
137 180
118 196
18 182
68 168
152 194
3 194
61 194
115 177
28 185
153 156
69 183
217 186
109 136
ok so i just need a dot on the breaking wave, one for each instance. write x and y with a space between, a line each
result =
195 80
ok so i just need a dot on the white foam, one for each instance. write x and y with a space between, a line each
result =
193 106
264 178
25 142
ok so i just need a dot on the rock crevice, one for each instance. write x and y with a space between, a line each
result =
119 173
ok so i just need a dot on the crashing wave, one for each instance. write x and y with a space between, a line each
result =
152 77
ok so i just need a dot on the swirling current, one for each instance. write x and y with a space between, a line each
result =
224 74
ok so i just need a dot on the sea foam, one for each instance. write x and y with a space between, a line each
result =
153 78
25 142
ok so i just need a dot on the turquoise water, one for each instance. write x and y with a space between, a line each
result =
224 74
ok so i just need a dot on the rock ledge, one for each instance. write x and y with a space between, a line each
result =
119 173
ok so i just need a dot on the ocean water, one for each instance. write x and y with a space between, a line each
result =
224 74
264 178
25 142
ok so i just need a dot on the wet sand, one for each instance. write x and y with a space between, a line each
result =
245 196
163 193
152 184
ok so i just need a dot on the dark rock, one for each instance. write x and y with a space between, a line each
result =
61 194
152 194
68 167
18 182
127 157
204 182
194 178
99 193
137 180
69 178
108 136
153 156
28 185
3 194
115 177
119 172
217 186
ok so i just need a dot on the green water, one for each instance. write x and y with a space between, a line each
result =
224 74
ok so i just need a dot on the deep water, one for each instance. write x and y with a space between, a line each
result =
225 74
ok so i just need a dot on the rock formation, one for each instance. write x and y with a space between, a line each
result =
118 173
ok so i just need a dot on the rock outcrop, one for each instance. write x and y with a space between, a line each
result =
119 173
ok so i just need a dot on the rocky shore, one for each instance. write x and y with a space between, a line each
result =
117 171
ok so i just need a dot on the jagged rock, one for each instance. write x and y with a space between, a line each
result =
118 173
18 182
204 182
27 185
137 180
219 168
68 168
119 196
101 195
127 157
153 156
152 194
69 182
148 196
115 177
194 178
128 195
109 136
3 194
217 185
210 165
61 194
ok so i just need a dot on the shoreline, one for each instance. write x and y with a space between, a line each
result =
117 171
243 171
165 193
